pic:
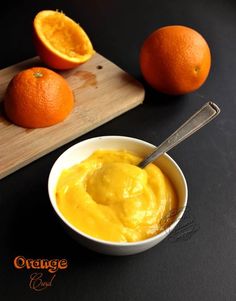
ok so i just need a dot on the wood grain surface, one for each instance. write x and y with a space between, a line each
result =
102 91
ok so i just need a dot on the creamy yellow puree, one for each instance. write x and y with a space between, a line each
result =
108 197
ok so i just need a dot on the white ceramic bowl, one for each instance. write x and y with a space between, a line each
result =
84 149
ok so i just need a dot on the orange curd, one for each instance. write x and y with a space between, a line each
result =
108 197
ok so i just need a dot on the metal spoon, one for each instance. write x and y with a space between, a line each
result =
207 113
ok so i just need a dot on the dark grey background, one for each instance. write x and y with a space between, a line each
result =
200 266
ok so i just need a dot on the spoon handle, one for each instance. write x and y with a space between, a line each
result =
207 113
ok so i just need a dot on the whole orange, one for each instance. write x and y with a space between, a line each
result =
60 42
175 60
38 97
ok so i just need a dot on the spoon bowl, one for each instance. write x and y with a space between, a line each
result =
83 150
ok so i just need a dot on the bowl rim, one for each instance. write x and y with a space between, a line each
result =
160 235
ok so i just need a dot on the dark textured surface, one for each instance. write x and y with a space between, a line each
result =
199 266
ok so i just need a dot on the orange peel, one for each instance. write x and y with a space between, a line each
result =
60 42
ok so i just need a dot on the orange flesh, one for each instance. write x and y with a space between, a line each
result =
62 35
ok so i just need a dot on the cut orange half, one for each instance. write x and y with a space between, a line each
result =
60 42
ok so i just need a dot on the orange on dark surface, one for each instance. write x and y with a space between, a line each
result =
175 60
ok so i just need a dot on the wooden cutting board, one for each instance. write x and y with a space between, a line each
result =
102 91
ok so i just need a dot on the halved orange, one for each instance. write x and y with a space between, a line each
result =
38 97
60 42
